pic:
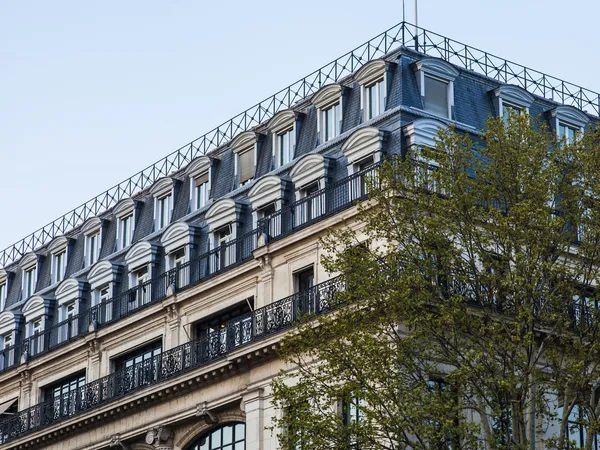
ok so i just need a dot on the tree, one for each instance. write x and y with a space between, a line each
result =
469 316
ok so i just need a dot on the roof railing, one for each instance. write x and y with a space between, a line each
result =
403 34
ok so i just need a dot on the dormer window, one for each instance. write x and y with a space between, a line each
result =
92 230
223 219
163 191
200 173
8 325
102 279
328 101
509 98
140 260
3 288
125 214
266 198
435 79
178 243
69 295
245 149
29 282
372 78
568 122
59 263
36 311
283 127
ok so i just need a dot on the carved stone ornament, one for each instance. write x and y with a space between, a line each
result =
160 437
203 413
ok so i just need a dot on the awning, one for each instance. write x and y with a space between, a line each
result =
4 406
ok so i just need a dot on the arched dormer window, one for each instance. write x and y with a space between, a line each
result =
329 103
102 278
201 176
29 265
423 133
266 198
125 213
5 279
163 192
223 219
59 252
283 127
140 260
568 121
245 149
435 79
92 232
70 295
9 326
373 78
309 176
37 318
363 149
507 98
178 241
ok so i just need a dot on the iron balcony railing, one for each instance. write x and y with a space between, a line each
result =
401 35
315 207
238 332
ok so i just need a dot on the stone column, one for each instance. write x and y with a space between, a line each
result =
253 405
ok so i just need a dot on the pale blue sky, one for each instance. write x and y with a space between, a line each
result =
92 92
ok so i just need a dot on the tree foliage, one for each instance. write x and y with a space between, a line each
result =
469 315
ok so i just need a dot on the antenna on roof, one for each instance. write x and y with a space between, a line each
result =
417 25
403 12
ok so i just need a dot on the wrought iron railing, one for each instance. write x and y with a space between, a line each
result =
290 218
238 332
403 34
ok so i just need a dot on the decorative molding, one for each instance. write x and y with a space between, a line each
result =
36 307
327 96
201 427
436 67
244 141
8 322
29 261
91 226
222 212
570 115
423 132
266 190
162 187
308 169
69 290
199 166
282 121
3 276
514 95
124 208
371 72
140 254
102 273
363 143
58 245
176 236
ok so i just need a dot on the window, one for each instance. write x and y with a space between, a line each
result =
567 132
69 328
66 395
141 293
436 96
7 351
245 165
227 437
285 147
508 108
304 280
58 266
102 297
92 248
36 343
374 101
331 122
140 365
29 282
202 190
312 207
125 231
272 223
226 253
164 211
359 185
577 428
179 260
236 320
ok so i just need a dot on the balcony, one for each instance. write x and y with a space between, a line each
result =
238 332
298 215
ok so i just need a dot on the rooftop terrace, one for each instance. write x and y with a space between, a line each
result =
401 35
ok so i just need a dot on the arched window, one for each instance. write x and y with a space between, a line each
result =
228 437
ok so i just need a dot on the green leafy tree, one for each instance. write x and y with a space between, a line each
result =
469 317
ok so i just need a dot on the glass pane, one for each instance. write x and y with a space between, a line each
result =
227 435
240 432
436 96
372 106
380 87
240 446
215 439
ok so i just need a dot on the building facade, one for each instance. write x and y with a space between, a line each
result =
154 322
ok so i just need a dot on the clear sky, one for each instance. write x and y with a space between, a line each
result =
92 92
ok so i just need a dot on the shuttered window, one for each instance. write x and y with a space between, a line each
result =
246 165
